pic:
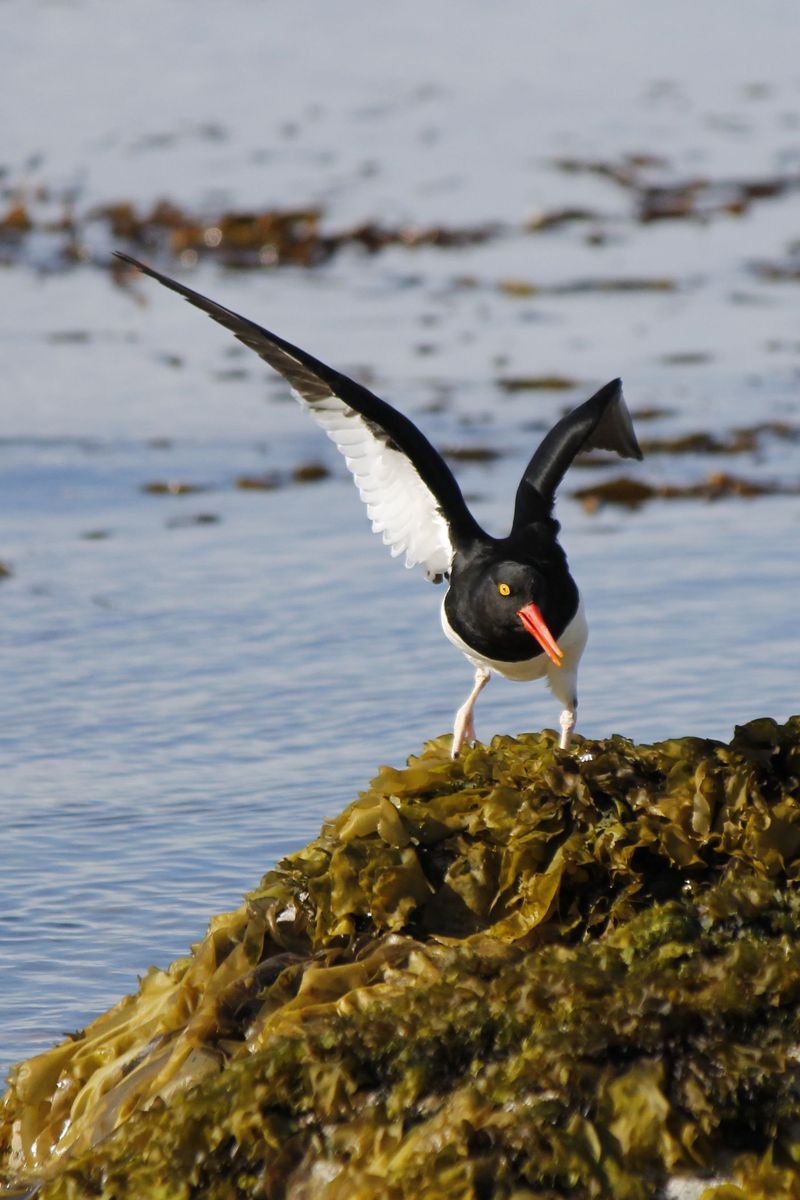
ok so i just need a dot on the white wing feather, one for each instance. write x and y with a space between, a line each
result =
399 504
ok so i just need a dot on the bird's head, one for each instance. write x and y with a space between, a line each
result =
515 594
498 605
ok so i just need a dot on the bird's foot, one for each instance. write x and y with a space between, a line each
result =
464 726
463 731
567 723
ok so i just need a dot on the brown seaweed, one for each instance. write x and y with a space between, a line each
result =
535 383
632 493
529 972
268 481
270 236
174 487
685 199
471 454
310 472
259 237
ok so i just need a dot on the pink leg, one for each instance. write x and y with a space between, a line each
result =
464 726
567 722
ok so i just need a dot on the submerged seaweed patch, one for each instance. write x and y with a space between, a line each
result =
524 383
263 237
527 972
657 199
744 440
632 493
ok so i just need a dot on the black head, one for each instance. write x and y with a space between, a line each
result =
510 601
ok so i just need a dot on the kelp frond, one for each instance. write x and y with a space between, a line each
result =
527 973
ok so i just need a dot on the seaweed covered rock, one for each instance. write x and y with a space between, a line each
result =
527 973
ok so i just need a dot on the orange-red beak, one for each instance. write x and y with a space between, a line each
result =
535 624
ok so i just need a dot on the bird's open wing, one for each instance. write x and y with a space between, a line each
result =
601 423
411 495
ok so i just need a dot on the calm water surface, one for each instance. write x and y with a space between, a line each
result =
192 682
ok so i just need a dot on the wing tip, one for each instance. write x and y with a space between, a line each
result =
145 270
612 399
129 259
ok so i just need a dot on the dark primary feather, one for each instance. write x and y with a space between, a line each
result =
315 382
601 423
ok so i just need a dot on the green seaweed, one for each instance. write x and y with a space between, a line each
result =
526 973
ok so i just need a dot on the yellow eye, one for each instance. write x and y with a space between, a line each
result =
504 589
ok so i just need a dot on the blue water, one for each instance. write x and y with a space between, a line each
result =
184 702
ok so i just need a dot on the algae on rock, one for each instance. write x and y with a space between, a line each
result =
526 973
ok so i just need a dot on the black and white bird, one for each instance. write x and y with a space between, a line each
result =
511 605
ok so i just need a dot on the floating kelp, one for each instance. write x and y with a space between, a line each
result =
621 283
15 221
522 289
633 493
687 358
310 472
174 487
780 272
267 481
528 972
626 172
536 383
471 454
693 198
703 198
254 238
744 440
554 218
187 520
65 233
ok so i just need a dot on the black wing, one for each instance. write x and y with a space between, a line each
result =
411 494
601 423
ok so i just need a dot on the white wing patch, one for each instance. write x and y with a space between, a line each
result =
401 507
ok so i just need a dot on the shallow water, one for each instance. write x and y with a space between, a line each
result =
184 701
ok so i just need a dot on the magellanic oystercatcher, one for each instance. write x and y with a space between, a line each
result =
511 604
